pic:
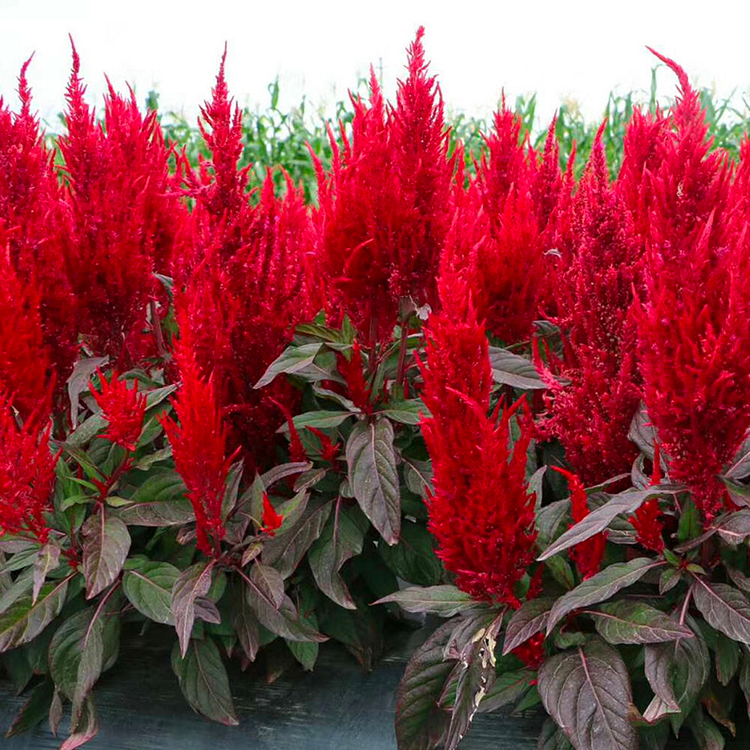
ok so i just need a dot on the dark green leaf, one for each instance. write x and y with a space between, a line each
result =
420 724
601 587
46 562
373 475
476 676
724 607
626 503
413 558
445 600
84 729
406 412
191 583
106 543
285 550
508 688
587 692
527 621
735 527
727 658
76 657
291 360
514 370
34 710
25 619
628 621
149 589
204 682
341 540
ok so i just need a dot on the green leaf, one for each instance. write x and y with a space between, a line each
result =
413 558
727 658
285 550
342 539
508 688
420 723
283 620
476 675
86 431
373 476
658 667
406 412
76 657
149 589
204 682
418 476
744 678
689 526
587 692
157 513
84 729
601 587
47 561
527 621
191 584
25 619
106 543
630 621
691 666
78 382
319 419
34 710
291 360
445 600
735 527
626 503
514 370
724 607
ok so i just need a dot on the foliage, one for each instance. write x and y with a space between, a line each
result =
501 380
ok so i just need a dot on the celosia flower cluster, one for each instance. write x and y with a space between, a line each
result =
123 408
593 388
385 206
481 511
27 473
694 321
242 284
198 439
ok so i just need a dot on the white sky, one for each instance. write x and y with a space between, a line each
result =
560 49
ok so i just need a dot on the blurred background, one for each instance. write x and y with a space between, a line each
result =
573 52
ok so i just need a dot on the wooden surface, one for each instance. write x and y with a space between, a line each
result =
336 707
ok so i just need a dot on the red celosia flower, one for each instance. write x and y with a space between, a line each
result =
351 370
590 409
199 447
123 220
647 519
123 408
480 512
296 449
271 519
531 653
32 210
25 364
329 450
694 324
242 286
27 473
586 555
384 208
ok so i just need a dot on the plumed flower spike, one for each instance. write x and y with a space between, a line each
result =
123 408
481 512
198 443
593 388
385 205
271 519
694 323
27 474
25 364
586 555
